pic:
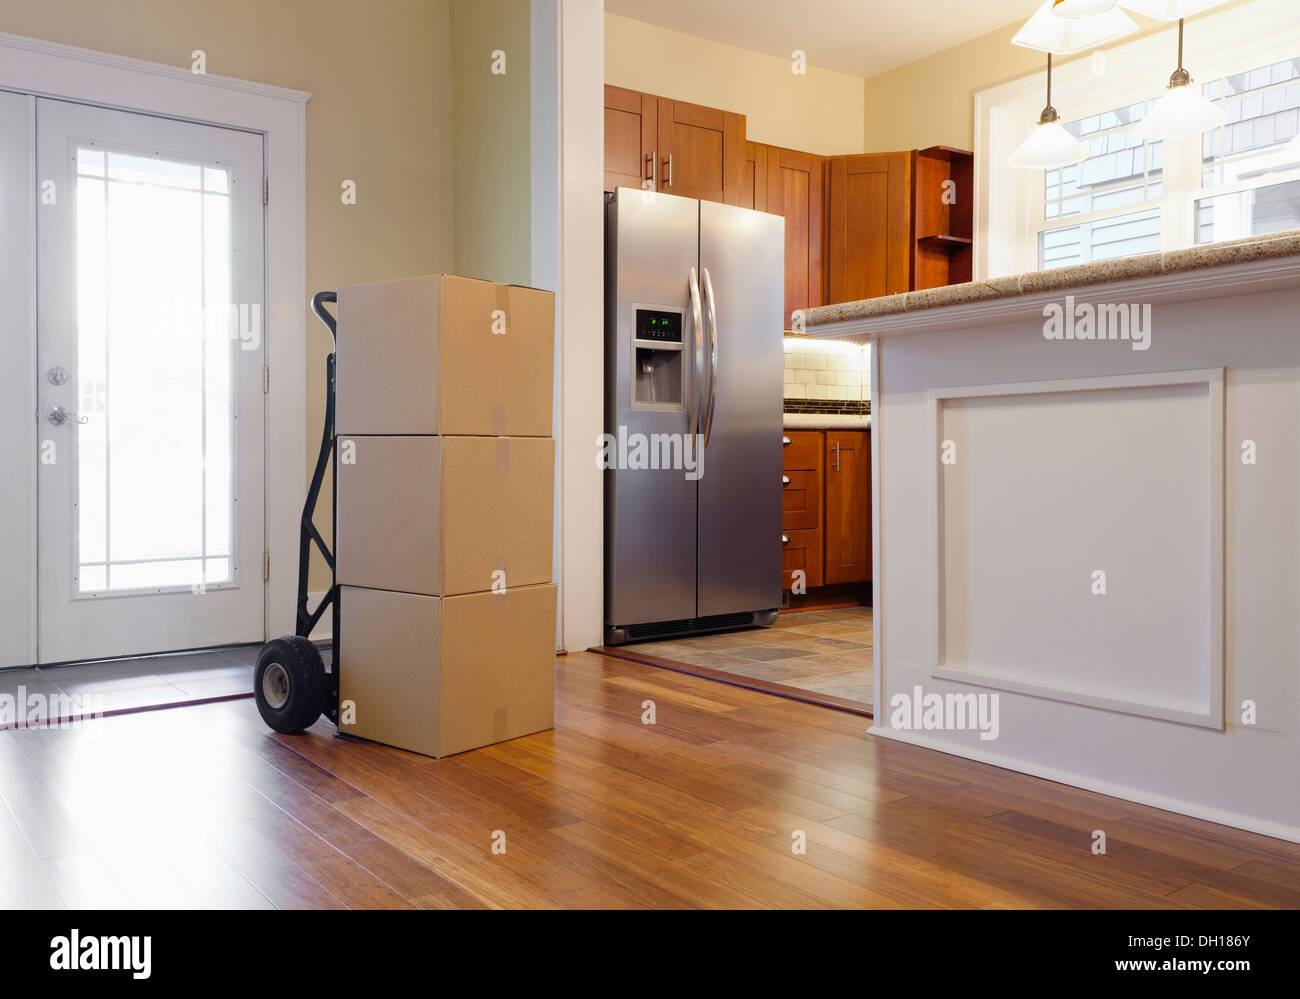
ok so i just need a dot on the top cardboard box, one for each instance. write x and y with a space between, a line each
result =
445 355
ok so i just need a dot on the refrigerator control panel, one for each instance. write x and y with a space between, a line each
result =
661 325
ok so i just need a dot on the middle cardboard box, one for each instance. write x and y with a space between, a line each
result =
445 515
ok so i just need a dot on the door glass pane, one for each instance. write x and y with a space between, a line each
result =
154 470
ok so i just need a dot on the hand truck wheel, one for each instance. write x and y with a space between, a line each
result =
289 684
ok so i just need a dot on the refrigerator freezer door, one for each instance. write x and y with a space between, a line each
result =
740 491
652 244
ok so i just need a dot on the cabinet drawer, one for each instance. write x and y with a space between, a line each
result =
803 551
801 500
804 450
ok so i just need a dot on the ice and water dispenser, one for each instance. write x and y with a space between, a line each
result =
658 362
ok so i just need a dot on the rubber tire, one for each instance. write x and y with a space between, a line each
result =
306 670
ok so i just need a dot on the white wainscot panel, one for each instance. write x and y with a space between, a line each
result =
1053 482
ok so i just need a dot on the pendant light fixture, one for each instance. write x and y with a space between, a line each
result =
1183 110
1169 10
1064 27
1049 145
1081 8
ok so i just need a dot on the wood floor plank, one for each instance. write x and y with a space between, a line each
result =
694 811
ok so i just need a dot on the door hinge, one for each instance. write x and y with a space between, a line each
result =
266 190
266 565
266 378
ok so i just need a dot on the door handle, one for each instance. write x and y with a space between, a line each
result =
59 416
785 480
668 161
697 394
713 346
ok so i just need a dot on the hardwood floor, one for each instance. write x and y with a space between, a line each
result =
822 656
203 806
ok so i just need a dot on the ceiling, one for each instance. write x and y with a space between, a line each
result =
861 37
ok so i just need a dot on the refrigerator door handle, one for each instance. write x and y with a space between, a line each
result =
697 388
713 346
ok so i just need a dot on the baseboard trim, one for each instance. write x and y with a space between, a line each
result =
1223 817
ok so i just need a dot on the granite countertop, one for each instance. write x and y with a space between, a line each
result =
1239 251
827 421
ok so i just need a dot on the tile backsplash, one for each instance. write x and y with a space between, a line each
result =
826 371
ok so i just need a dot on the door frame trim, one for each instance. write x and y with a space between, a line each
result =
48 69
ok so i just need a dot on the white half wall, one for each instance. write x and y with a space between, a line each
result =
1113 692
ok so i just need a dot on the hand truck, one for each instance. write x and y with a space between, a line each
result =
291 684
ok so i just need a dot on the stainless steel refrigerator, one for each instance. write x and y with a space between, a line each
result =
694 320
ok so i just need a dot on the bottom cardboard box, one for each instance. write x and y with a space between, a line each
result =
440 675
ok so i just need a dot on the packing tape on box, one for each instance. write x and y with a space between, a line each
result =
499 419
503 456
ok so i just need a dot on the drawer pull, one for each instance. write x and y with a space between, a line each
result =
786 442
785 480
785 539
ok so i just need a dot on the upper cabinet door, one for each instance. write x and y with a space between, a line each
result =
753 177
869 226
795 190
631 125
701 152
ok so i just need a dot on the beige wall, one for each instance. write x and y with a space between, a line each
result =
820 112
491 138
381 114
931 102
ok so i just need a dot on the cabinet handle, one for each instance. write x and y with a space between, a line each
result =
785 539
837 456
669 162
785 480
786 442
654 167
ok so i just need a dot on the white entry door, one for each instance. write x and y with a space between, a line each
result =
151 407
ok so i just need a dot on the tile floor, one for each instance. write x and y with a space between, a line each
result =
828 652
149 681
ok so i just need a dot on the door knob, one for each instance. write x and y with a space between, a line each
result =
59 416
785 480
56 376
785 539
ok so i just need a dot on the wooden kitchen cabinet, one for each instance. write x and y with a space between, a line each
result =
701 151
847 479
631 130
802 535
753 177
868 222
942 197
794 190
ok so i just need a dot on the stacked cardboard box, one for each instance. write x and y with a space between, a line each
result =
445 502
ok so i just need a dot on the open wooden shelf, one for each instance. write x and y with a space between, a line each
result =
943 194
949 244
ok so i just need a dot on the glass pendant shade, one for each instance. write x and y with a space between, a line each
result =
1168 10
1081 8
1181 111
1065 35
1048 146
